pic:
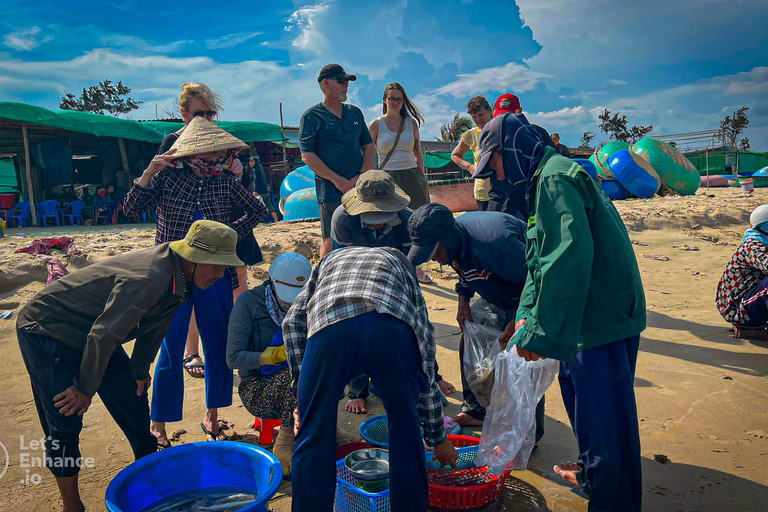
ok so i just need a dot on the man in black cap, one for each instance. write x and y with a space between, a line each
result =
487 251
335 144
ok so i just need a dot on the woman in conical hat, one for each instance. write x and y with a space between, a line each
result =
198 100
184 184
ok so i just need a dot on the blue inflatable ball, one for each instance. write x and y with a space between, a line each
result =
634 173
614 189
298 179
301 205
587 165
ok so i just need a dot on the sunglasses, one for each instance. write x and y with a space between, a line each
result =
205 113
341 81
395 100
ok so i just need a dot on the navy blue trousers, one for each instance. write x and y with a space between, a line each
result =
52 365
599 397
212 308
756 304
386 349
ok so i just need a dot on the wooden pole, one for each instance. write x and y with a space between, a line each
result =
285 156
124 156
30 189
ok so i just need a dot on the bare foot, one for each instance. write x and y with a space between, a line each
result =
568 471
465 420
158 430
423 277
356 405
446 387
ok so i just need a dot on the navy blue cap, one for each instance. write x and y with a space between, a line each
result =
427 226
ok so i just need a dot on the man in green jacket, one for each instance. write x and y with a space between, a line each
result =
582 303
70 335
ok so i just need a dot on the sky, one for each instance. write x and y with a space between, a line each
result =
681 66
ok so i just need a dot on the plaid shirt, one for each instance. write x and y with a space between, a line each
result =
748 266
178 194
354 281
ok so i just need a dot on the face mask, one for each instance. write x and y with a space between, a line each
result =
207 167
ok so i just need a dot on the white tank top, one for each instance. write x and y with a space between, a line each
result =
403 157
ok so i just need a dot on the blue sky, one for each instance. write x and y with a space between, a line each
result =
681 66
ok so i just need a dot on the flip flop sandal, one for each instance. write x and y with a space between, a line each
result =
163 446
189 366
425 278
211 434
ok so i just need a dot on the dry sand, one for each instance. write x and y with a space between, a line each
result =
701 393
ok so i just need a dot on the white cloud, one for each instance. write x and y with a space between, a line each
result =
509 77
613 81
127 41
307 21
25 40
229 41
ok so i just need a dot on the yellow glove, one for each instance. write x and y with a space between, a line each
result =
274 355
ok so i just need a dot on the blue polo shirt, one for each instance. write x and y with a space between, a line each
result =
337 141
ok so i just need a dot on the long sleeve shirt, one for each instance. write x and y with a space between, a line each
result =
491 261
178 194
748 266
251 330
355 281
583 287
102 306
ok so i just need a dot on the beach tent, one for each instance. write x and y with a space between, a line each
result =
48 141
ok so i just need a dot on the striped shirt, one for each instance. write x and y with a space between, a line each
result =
354 281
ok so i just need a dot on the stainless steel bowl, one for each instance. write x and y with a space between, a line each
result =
368 464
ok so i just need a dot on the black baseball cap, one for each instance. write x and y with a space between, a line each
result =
335 71
427 226
490 139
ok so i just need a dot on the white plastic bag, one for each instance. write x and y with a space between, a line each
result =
509 429
481 346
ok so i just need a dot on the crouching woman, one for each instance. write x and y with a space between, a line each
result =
255 348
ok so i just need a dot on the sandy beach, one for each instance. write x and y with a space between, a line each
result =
702 395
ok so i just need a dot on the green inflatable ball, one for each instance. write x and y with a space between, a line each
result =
674 170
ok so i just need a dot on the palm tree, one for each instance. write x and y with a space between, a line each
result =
452 131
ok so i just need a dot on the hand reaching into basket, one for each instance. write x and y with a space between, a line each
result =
446 454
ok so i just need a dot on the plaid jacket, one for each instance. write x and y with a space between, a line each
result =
178 194
748 266
354 281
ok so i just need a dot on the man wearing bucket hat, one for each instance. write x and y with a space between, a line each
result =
185 184
742 293
487 251
362 311
374 214
335 144
571 307
70 335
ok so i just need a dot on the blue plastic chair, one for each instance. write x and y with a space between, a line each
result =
22 213
48 210
75 213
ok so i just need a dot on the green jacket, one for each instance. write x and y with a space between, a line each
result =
583 287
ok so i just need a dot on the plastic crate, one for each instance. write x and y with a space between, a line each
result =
350 498
376 430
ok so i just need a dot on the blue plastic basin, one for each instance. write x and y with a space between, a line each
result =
196 466
614 189
587 165
301 205
298 179
631 175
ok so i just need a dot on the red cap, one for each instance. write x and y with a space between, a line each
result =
507 103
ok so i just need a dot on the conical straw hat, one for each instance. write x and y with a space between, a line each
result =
201 136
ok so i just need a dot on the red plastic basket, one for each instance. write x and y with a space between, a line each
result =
345 449
448 489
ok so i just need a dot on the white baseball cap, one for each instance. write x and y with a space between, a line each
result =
289 272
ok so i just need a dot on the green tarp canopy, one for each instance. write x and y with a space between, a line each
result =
108 126
439 159
247 131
